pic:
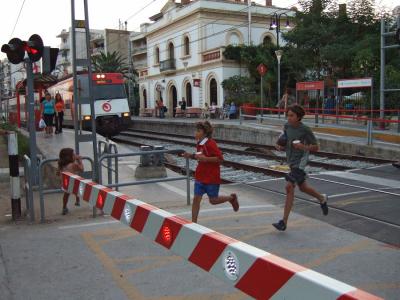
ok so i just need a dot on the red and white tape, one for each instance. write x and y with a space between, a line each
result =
255 272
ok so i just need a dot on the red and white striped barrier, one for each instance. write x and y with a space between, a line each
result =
255 272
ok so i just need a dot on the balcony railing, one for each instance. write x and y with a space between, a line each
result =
137 50
167 65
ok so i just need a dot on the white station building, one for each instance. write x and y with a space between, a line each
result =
185 45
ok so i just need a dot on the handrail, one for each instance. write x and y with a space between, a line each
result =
43 191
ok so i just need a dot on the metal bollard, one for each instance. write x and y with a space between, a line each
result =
369 132
14 175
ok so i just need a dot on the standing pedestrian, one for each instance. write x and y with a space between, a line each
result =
206 111
208 178
161 108
232 111
48 110
59 113
298 142
69 162
183 106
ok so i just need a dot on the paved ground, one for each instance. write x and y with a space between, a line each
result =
77 257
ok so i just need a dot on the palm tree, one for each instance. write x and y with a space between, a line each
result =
109 63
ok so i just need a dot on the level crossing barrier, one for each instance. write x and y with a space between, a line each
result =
255 272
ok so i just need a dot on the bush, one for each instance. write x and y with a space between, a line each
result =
23 142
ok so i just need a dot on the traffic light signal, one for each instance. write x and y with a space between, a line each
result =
34 47
49 59
15 49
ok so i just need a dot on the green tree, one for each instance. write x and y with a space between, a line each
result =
109 63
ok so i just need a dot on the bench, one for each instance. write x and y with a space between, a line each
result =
193 112
147 112
179 113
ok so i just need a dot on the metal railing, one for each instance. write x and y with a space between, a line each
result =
139 182
109 147
167 65
28 186
43 191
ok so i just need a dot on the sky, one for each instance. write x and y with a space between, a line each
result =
48 17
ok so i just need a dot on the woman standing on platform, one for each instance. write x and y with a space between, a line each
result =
59 113
48 111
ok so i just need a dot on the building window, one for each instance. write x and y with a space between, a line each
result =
213 92
157 55
145 98
171 51
267 41
187 45
188 88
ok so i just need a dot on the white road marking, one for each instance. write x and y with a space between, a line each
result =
266 180
365 178
88 224
210 210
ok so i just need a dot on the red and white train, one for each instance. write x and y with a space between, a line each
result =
111 104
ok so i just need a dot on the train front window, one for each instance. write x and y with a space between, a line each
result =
111 91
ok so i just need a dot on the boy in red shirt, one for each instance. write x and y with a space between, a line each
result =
207 176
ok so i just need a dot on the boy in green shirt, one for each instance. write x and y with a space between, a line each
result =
300 140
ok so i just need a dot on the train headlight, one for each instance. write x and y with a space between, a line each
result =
98 76
125 114
87 118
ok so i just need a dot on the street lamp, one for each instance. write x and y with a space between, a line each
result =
276 24
279 54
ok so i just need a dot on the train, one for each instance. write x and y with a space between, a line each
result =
112 112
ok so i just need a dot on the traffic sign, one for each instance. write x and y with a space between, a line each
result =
106 107
262 69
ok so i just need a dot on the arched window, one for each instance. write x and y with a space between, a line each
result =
171 51
157 55
234 39
267 41
187 45
188 89
213 92
144 98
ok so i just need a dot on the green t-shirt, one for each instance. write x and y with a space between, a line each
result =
298 158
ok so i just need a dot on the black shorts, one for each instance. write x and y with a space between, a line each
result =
48 119
296 176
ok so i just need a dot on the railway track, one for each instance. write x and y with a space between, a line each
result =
133 138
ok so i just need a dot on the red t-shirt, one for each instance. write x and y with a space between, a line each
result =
209 172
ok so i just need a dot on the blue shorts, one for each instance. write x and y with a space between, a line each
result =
212 190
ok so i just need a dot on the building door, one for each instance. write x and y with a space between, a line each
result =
171 51
144 98
213 92
173 100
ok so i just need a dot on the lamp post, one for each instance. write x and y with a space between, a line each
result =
276 25
279 54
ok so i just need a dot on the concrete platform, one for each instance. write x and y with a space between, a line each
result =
332 140
77 257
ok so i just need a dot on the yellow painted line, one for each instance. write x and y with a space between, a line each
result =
120 235
380 286
358 200
336 252
141 258
165 261
107 262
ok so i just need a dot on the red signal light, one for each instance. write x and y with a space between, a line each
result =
167 235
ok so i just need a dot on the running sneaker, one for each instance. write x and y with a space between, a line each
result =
396 164
324 205
64 211
234 202
281 226
77 203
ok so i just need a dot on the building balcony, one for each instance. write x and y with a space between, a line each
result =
168 65
139 50
64 46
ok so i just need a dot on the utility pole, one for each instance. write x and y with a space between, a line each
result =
131 92
249 20
383 89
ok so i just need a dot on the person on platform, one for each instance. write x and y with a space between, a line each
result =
207 176
298 140
206 111
161 108
232 111
48 110
69 162
183 106
59 113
